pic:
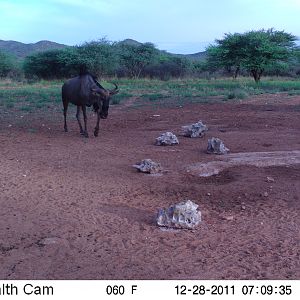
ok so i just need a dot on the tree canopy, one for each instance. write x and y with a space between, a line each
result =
97 57
135 58
254 51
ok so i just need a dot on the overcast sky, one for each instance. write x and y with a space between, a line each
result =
178 26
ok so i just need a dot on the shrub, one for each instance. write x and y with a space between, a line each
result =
237 94
7 64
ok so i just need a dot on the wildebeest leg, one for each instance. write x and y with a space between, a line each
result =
78 119
65 104
85 133
97 124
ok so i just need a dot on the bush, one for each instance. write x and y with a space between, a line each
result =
169 66
237 94
7 64
99 58
43 65
135 58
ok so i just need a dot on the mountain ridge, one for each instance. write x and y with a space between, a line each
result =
21 50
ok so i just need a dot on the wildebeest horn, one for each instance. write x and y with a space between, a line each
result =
115 90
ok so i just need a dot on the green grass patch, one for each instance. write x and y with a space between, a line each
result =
28 97
237 94
294 93
120 97
153 97
43 94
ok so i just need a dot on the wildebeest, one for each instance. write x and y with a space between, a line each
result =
84 91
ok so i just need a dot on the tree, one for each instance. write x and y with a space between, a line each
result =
45 65
6 64
255 51
135 58
227 54
297 60
266 48
167 66
97 57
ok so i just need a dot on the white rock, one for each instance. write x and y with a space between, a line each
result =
167 139
148 166
194 130
216 146
270 179
181 215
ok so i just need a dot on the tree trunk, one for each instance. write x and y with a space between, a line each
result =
256 73
260 73
237 70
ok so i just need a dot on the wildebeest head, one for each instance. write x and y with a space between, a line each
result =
104 95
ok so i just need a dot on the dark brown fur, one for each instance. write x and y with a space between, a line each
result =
84 91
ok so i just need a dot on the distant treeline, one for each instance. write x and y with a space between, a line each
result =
254 53
101 58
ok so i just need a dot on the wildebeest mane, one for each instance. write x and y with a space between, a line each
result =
83 72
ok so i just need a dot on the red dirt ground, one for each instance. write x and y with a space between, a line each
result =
75 208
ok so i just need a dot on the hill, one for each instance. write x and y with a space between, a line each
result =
130 42
20 50
199 56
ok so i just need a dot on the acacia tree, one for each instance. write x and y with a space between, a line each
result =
255 51
226 54
266 48
135 58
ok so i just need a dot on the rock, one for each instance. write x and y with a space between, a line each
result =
167 139
194 130
48 241
181 215
52 241
148 166
216 146
270 179
265 194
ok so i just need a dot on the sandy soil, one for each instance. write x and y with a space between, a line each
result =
75 208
